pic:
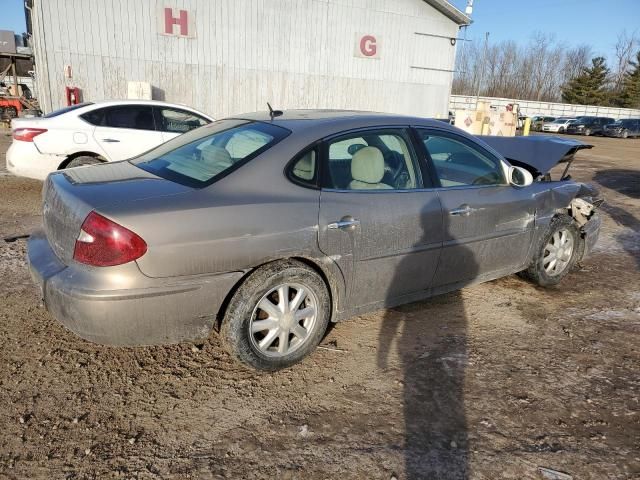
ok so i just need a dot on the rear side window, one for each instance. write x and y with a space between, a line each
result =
55 113
372 160
94 117
136 117
200 157
303 169
178 121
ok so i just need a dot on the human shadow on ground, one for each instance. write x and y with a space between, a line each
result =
431 340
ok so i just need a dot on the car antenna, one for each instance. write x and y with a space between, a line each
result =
274 113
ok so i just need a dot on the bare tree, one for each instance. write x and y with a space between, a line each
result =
535 71
625 50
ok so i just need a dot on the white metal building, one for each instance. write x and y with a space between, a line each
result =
232 56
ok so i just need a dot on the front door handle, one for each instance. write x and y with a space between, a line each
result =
463 210
345 223
110 140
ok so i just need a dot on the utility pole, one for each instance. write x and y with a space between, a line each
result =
484 66
468 11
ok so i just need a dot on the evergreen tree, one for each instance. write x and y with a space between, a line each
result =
630 97
588 88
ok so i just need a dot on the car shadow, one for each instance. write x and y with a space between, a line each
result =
630 239
431 342
626 182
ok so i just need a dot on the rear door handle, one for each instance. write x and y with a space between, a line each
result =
463 210
110 140
345 223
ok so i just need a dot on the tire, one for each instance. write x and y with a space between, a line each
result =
82 161
262 349
625 134
11 112
587 132
561 130
546 277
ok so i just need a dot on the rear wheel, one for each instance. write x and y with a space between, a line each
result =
82 161
557 253
277 316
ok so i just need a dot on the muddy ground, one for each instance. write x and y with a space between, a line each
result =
490 382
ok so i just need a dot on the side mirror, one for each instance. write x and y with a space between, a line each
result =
519 177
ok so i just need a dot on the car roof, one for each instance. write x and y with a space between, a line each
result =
158 103
328 121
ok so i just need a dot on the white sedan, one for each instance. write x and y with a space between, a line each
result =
559 125
95 132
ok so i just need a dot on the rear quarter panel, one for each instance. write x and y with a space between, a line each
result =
252 216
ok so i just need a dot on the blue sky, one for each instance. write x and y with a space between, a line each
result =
572 22
595 22
12 16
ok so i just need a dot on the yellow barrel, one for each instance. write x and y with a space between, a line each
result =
527 126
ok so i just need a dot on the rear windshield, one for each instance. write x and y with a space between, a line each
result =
55 113
200 157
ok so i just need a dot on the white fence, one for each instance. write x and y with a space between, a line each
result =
531 108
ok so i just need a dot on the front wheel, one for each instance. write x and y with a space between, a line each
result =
556 254
561 130
625 134
587 132
277 316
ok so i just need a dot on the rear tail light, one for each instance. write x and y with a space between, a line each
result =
104 243
27 134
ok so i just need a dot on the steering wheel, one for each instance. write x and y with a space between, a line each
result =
484 180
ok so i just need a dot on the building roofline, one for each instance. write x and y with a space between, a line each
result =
451 12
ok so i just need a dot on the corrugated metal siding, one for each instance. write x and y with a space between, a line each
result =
292 53
531 107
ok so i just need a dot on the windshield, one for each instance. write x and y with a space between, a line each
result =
560 120
55 113
199 157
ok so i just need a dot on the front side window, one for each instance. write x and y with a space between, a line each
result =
372 160
178 121
457 163
200 156
136 117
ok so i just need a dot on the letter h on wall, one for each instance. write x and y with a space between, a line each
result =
181 21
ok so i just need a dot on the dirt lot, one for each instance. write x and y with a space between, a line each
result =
486 383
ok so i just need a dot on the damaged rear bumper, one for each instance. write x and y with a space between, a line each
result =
120 305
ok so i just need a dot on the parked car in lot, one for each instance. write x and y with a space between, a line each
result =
539 120
91 133
272 226
588 125
627 127
559 125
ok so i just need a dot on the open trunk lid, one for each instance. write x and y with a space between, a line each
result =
69 196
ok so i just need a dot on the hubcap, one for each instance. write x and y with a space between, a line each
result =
283 319
557 253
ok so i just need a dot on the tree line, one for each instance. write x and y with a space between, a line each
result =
546 70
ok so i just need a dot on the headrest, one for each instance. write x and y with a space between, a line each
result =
304 167
214 155
367 165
